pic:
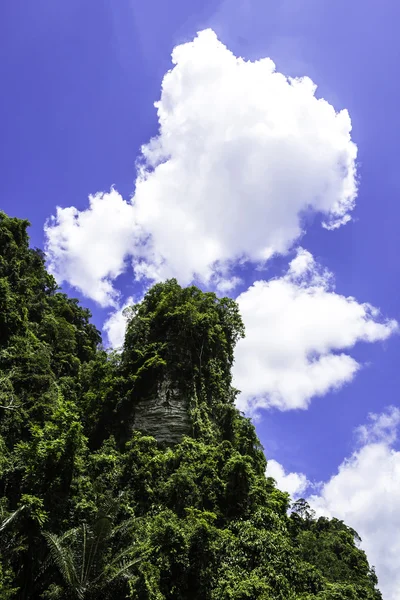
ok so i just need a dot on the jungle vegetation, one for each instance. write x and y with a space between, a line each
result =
91 507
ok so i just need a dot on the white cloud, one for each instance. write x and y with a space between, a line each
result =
115 325
293 483
242 152
88 248
365 494
380 427
297 328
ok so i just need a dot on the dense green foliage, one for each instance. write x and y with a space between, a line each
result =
92 507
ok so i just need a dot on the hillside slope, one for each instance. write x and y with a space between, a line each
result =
132 474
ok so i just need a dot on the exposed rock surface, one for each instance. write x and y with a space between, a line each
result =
164 415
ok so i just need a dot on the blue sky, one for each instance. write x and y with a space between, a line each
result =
79 81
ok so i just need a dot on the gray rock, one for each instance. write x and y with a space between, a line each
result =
164 415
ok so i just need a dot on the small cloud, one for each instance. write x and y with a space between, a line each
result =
293 483
298 335
380 428
115 325
88 248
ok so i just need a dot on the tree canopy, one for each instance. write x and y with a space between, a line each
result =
98 501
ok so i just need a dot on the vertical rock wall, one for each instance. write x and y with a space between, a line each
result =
164 414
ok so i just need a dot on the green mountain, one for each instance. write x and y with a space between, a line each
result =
132 474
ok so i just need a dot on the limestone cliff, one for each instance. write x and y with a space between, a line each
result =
164 414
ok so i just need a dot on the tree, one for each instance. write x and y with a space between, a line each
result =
85 492
87 558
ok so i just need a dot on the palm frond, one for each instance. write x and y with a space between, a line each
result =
80 555
124 568
97 540
11 518
63 557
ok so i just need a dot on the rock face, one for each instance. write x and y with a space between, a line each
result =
164 415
